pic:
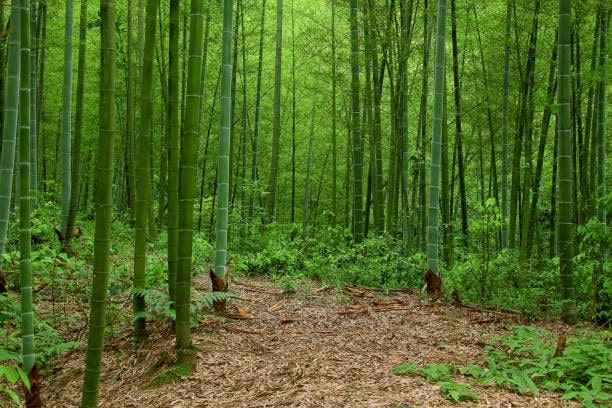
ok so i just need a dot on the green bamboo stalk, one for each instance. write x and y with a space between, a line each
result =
67 117
9 125
588 145
25 242
566 223
2 71
143 179
40 39
405 38
357 141
367 123
104 206
433 227
378 73
78 124
224 149
422 131
602 111
276 126
505 121
33 121
185 351
334 120
173 146
255 153
130 115
306 211
245 127
458 131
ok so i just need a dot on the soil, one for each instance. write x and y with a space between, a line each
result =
317 347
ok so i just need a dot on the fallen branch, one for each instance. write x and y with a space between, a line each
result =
308 331
323 288
276 307
389 308
208 322
293 319
251 287
235 329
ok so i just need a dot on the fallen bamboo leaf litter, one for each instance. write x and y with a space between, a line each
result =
325 359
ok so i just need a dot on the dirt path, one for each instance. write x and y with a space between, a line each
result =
314 348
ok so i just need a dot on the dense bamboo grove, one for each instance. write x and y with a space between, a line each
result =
488 145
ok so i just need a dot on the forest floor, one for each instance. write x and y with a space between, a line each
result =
317 347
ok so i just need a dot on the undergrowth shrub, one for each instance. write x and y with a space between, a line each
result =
529 360
49 341
593 273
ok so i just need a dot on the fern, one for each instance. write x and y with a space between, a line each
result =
161 308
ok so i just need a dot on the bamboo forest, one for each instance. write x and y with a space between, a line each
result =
305 203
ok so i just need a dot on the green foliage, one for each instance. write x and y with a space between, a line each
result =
11 373
457 391
441 374
499 280
163 377
593 272
523 360
49 341
161 308
333 257
276 258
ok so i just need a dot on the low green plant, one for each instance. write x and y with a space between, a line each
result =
441 374
525 361
161 308
11 373
49 341
593 272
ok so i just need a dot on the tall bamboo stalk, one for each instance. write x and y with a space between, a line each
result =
357 141
104 206
276 127
220 273
78 125
433 227
33 118
9 124
173 145
143 178
505 121
185 351
255 153
67 117
566 223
